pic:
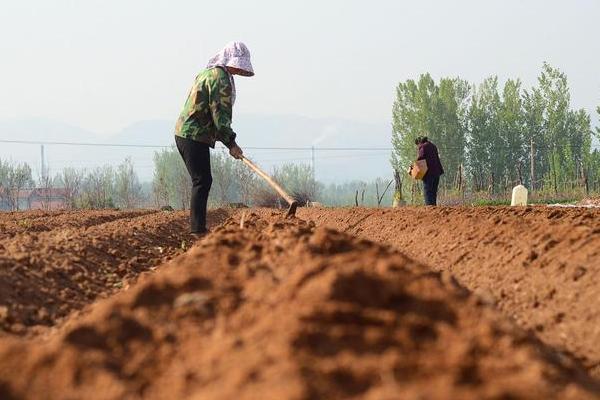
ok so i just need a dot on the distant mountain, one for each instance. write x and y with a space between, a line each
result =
44 129
149 132
293 131
330 165
253 131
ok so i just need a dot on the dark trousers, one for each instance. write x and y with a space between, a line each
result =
196 156
430 187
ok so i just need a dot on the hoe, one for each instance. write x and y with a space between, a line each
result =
293 203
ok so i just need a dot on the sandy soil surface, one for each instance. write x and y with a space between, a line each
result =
539 265
592 202
13 223
280 309
52 264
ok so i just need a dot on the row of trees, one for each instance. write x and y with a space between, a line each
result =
13 178
102 187
233 182
492 136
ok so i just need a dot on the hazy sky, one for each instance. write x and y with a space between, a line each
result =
103 64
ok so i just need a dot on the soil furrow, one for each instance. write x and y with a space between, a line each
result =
46 275
15 223
539 265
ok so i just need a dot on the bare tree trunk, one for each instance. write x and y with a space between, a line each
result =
585 181
555 178
380 199
532 166
397 189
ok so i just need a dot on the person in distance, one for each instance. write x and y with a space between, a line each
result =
428 151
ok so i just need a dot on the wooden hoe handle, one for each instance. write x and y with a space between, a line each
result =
269 180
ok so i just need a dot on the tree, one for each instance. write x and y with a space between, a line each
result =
533 134
299 180
578 144
511 138
71 180
598 127
448 130
45 186
98 189
4 189
160 181
246 182
424 108
223 177
484 142
555 93
171 183
14 177
411 114
127 186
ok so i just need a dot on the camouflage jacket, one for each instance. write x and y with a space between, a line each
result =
206 116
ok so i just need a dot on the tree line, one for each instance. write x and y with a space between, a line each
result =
492 136
233 184
101 187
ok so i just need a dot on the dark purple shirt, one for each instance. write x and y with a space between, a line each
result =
429 152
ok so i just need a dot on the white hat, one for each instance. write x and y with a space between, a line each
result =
235 55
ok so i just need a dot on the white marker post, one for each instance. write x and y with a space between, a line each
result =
519 196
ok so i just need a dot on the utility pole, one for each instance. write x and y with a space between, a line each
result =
43 171
532 166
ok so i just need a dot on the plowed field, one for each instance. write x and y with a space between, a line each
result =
486 303
52 264
539 265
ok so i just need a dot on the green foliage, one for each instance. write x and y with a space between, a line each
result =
128 190
497 133
13 178
70 179
597 134
98 189
483 126
171 182
348 193
298 180
438 111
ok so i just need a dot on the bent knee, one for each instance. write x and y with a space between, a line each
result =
204 182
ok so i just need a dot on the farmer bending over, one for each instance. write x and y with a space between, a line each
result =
206 118
429 152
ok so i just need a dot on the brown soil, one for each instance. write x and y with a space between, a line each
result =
13 223
281 310
56 263
540 266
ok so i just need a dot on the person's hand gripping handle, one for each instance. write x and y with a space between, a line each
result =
236 152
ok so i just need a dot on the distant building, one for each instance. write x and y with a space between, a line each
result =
48 199
38 199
